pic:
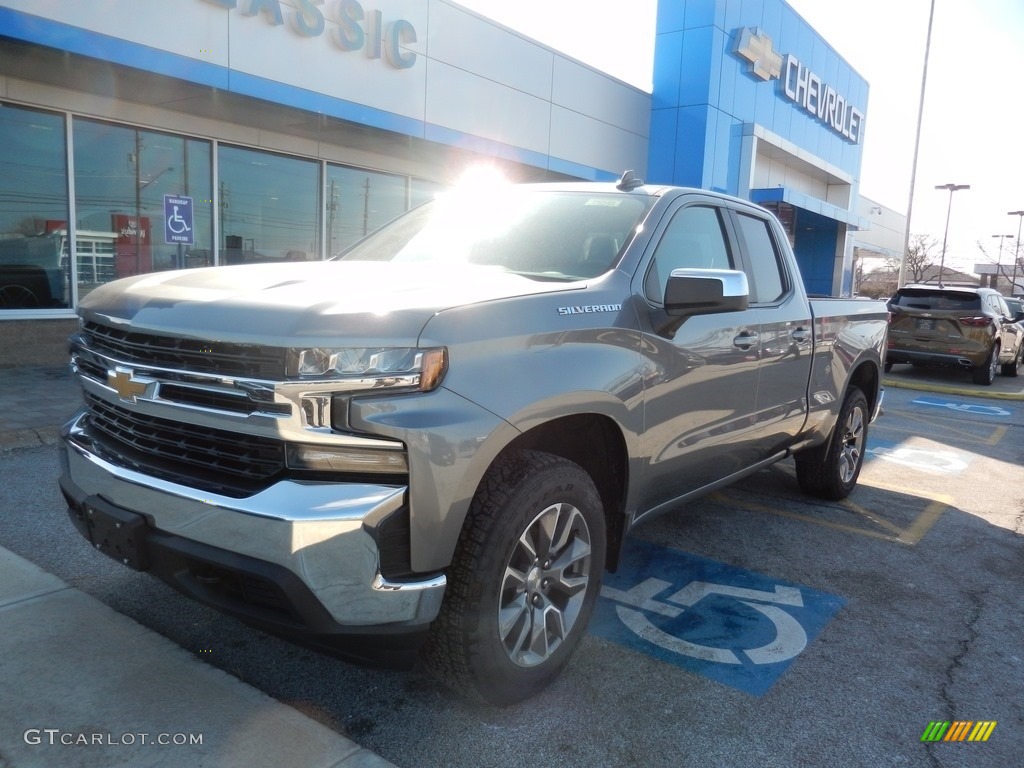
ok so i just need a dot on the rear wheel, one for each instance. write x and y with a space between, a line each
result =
830 471
523 581
985 374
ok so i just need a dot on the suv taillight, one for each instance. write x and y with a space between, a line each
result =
979 321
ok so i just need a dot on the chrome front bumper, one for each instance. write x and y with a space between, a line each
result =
313 530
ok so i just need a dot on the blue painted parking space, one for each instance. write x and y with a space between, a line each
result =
950 405
736 627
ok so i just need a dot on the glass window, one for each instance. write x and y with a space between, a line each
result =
422 191
33 210
121 177
543 234
693 239
358 202
766 279
268 207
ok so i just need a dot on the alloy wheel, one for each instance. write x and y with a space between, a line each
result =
544 585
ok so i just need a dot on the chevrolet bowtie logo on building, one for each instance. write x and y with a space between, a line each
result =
756 48
799 84
128 386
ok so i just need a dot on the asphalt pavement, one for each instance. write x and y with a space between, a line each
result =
86 685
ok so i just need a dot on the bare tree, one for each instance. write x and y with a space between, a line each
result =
1003 260
921 260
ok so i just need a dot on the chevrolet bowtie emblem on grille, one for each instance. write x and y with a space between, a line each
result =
128 386
756 47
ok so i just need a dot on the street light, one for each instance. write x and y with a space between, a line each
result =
999 260
952 188
1016 252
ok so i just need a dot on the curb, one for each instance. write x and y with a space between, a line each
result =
951 390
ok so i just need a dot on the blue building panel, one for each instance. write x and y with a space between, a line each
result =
771 18
671 17
691 133
702 13
695 75
668 69
661 156
732 14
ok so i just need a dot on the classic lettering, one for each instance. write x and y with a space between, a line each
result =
349 36
307 20
353 29
273 7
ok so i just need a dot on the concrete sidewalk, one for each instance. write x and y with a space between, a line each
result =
84 685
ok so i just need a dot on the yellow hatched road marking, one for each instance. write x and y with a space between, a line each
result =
998 433
938 503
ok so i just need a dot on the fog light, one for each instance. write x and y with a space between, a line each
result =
326 458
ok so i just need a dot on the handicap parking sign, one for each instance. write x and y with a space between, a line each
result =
178 220
736 627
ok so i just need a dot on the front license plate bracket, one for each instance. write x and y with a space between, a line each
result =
118 533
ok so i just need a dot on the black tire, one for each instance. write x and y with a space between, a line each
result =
830 471
986 374
508 562
1012 369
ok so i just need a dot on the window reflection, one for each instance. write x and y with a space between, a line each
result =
33 210
268 207
121 177
359 202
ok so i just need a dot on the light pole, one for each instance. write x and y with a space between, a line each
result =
952 188
999 260
1016 251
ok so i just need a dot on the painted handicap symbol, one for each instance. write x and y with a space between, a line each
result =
933 462
789 640
976 409
728 624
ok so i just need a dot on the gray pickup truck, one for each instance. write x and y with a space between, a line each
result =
434 445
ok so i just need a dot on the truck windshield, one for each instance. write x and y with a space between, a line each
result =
547 235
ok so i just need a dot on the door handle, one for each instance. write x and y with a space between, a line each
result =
801 335
745 340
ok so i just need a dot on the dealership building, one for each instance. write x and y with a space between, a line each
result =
140 136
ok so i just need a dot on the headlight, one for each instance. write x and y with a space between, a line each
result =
404 367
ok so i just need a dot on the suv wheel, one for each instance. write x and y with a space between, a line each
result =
523 582
830 471
985 374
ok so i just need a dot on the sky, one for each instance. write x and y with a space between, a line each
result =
972 131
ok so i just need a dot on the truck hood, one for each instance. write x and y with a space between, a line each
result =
295 304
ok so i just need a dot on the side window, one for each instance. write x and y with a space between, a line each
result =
694 238
767 281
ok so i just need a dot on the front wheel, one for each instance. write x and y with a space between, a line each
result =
830 471
523 582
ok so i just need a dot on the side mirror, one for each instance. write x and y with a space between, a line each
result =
706 292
